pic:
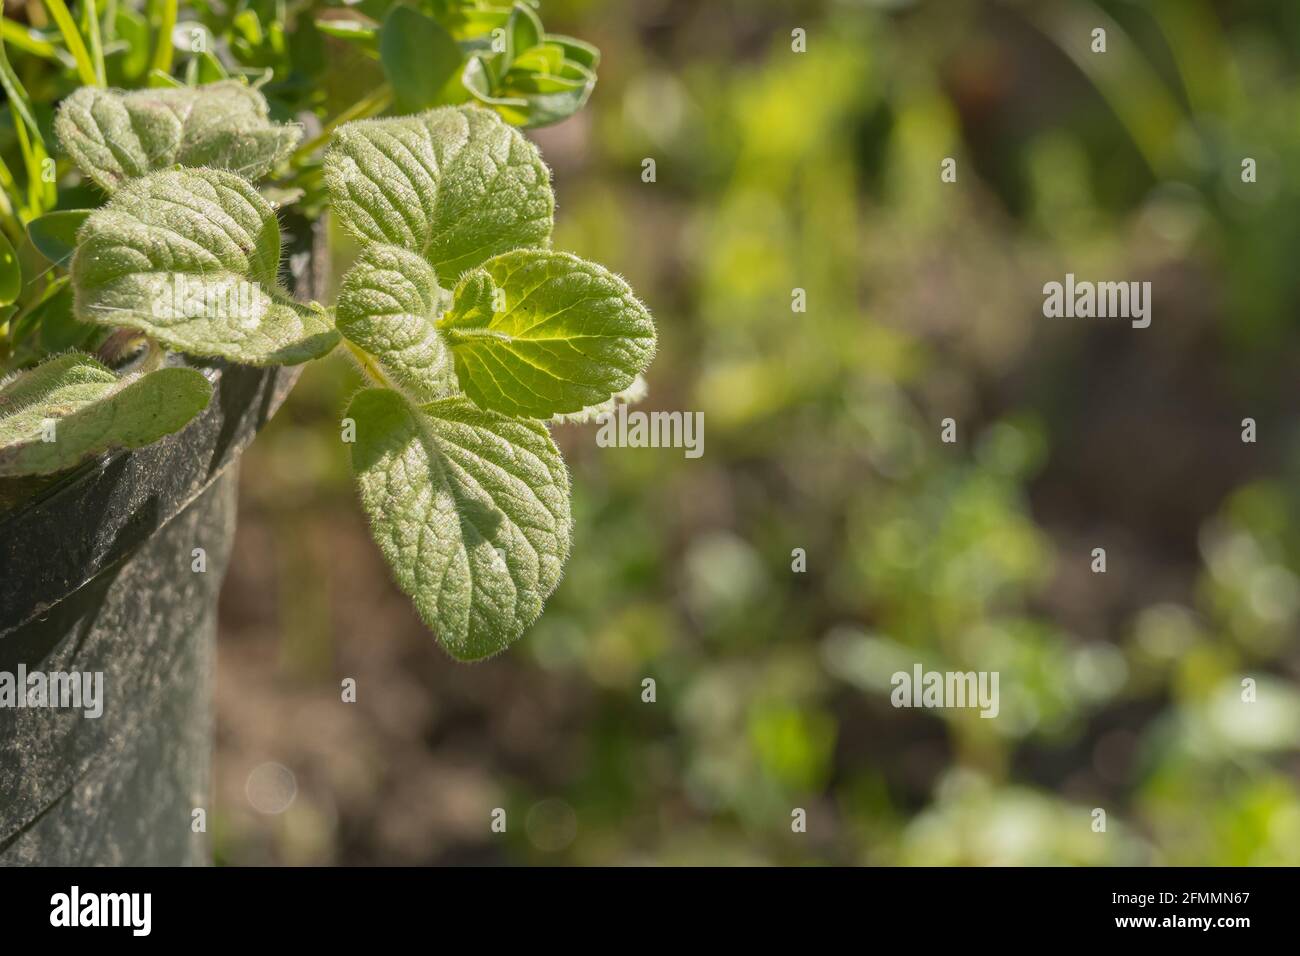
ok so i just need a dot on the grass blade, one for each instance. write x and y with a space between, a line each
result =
72 39
90 23
162 54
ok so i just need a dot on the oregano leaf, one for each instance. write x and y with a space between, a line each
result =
628 396
190 257
538 78
418 56
471 510
114 136
72 407
456 185
527 97
523 31
387 303
576 51
542 333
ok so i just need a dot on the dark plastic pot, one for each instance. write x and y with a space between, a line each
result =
97 576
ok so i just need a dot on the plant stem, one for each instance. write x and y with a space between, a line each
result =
90 22
368 366
375 103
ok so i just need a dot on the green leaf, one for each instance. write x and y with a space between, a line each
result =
456 185
470 508
11 273
114 137
88 410
59 327
212 71
387 303
542 333
523 31
551 98
55 233
481 80
578 51
628 396
543 58
190 257
33 41
363 35
157 79
249 27
30 318
528 98
16 94
539 79
466 21
418 57
134 30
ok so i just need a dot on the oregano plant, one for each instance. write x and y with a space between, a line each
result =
474 335
114 137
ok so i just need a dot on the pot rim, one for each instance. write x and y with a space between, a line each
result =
100 513
67 534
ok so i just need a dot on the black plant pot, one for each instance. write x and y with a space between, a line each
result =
97 575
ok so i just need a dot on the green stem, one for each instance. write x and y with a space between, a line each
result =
90 23
110 18
368 366
375 103
455 336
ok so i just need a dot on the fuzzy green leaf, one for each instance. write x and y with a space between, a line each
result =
470 508
456 185
386 305
628 396
115 136
543 333
190 257
86 410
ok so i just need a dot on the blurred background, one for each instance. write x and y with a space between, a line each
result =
819 170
